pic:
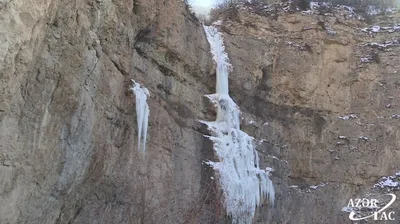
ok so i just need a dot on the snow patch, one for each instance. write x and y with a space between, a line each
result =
383 29
367 59
391 182
330 31
348 117
217 23
347 209
396 116
290 43
308 189
382 46
315 7
373 10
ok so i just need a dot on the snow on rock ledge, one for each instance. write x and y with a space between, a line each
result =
390 182
244 184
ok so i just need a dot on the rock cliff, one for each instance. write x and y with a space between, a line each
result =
316 92
68 147
320 95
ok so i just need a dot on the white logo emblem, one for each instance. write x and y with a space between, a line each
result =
381 214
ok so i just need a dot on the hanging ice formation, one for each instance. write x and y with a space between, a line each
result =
243 182
142 113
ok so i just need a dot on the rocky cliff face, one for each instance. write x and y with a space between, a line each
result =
321 97
68 145
68 149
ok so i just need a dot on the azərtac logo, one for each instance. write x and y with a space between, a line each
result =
381 214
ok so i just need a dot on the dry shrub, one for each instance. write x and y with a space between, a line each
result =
364 7
228 8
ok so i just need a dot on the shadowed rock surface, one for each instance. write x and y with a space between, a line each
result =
68 147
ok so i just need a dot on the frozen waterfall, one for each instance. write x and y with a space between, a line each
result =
142 113
243 182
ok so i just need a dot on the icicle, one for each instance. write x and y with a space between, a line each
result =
244 184
142 113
